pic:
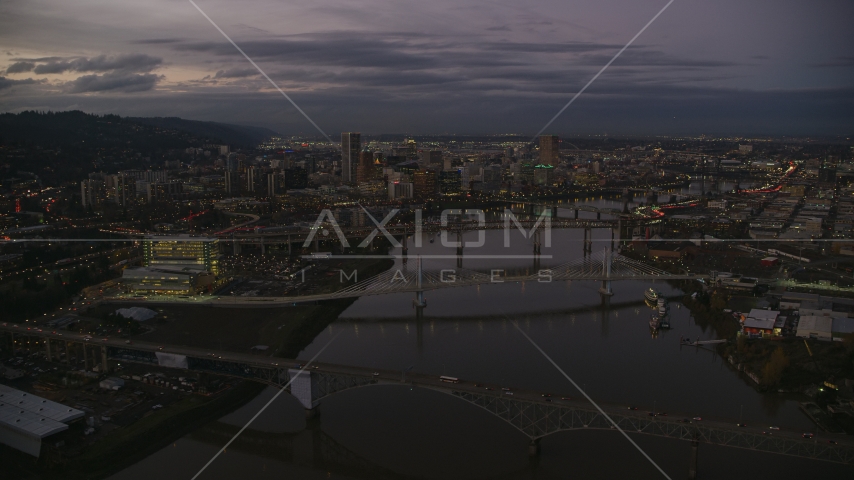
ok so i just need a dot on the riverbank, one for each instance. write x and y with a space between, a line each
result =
125 446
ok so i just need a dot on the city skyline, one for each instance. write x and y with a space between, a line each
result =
700 69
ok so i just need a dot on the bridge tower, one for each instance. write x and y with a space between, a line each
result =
304 388
405 247
588 240
605 289
460 247
419 301
692 464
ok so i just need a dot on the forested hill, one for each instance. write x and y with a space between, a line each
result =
234 135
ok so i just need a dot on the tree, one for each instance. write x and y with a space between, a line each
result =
772 372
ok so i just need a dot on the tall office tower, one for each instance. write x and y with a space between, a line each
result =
351 147
251 174
231 179
426 184
431 157
120 188
274 184
411 148
91 192
549 150
363 172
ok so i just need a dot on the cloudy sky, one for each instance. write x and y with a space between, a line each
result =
437 66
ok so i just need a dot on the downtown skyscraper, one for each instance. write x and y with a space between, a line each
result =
351 147
549 150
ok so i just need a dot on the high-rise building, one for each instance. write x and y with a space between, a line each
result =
231 182
543 175
296 178
426 184
449 182
431 157
91 192
397 190
182 251
549 150
365 170
251 178
120 188
274 184
351 148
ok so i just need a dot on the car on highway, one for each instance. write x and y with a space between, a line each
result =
808 435
773 428
698 419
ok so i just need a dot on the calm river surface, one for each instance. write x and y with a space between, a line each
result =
467 332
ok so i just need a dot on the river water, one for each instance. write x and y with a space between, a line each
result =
468 332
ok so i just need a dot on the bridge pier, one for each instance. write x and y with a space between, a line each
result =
605 289
419 301
47 350
263 247
575 213
692 464
534 447
588 240
105 364
405 248
312 413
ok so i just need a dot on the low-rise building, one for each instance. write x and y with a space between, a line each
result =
818 327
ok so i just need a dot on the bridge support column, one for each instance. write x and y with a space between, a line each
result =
105 364
419 301
588 240
47 349
263 247
598 215
85 357
405 247
459 248
534 447
575 213
12 343
692 464
312 413
68 352
236 247
605 289
554 211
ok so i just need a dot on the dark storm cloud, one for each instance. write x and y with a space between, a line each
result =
236 73
138 62
652 58
156 41
9 83
19 67
333 52
113 82
549 47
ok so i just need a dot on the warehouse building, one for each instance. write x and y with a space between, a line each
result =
26 419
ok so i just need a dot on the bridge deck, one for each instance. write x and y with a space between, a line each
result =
533 413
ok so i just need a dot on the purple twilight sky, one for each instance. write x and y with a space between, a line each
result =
377 66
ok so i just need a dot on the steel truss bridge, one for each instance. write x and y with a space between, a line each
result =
411 277
532 413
